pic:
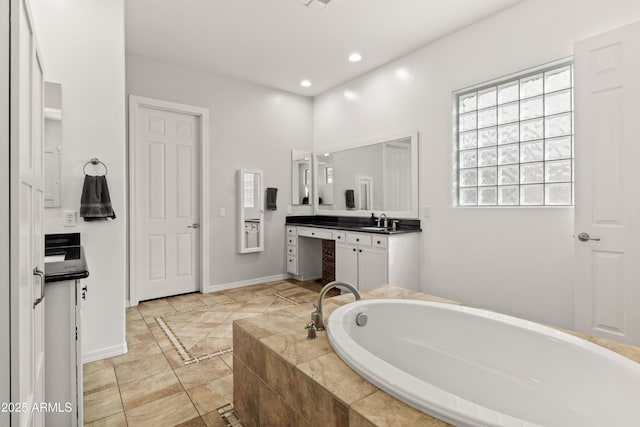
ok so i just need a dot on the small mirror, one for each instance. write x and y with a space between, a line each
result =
250 211
52 144
325 179
301 178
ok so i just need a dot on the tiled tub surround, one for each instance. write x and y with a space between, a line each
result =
281 378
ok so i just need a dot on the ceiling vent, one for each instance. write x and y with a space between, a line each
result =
317 5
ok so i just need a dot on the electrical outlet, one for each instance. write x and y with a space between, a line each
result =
69 218
426 211
223 212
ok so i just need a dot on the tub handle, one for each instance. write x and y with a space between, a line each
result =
311 334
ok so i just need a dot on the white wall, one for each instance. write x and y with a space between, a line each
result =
251 127
83 47
5 223
513 260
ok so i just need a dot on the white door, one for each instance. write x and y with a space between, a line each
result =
166 203
607 173
27 204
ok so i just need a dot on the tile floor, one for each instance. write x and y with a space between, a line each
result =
179 367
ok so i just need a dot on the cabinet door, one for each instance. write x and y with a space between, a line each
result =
347 264
372 268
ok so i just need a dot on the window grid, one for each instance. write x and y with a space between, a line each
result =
515 141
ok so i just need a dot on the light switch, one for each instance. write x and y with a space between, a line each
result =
426 211
69 218
223 212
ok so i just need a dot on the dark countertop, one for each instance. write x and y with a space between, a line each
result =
358 224
73 267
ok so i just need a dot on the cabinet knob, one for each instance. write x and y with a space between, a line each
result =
378 241
357 240
354 249
360 250
313 234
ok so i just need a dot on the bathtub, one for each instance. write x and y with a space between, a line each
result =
472 367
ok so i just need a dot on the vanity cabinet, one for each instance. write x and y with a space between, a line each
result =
365 260
63 364
361 265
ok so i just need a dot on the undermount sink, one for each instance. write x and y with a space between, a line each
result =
376 228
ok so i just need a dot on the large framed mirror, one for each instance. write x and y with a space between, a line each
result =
380 175
52 144
250 211
301 178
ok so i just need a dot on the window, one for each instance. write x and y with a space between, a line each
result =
514 140
328 175
249 192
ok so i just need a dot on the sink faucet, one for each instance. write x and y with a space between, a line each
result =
386 223
317 322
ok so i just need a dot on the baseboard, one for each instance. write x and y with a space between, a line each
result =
104 353
243 283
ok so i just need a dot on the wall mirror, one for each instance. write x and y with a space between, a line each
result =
52 144
301 178
250 211
377 176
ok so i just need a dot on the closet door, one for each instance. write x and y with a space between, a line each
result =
27 204
607 172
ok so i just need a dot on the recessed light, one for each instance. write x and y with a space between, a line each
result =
305 83
355 57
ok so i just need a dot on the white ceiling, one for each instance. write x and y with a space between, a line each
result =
278 43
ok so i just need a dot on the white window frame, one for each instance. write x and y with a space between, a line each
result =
456 143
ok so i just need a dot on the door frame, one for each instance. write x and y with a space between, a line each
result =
135 103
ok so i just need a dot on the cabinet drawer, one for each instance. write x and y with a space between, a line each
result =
292 240
379 241
314 232
292 264
292 250
359 239
339 236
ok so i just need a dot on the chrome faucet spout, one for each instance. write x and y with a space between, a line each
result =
317 316
386 221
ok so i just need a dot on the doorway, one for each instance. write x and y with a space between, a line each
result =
168 187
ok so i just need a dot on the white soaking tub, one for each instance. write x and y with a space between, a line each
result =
473 367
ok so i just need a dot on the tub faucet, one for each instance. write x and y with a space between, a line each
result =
386 222
316 317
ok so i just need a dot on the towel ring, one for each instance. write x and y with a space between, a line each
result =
94 161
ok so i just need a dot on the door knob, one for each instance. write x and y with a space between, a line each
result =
196 225
584 237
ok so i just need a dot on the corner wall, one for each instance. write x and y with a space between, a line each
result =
82 42
251 127
513 260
